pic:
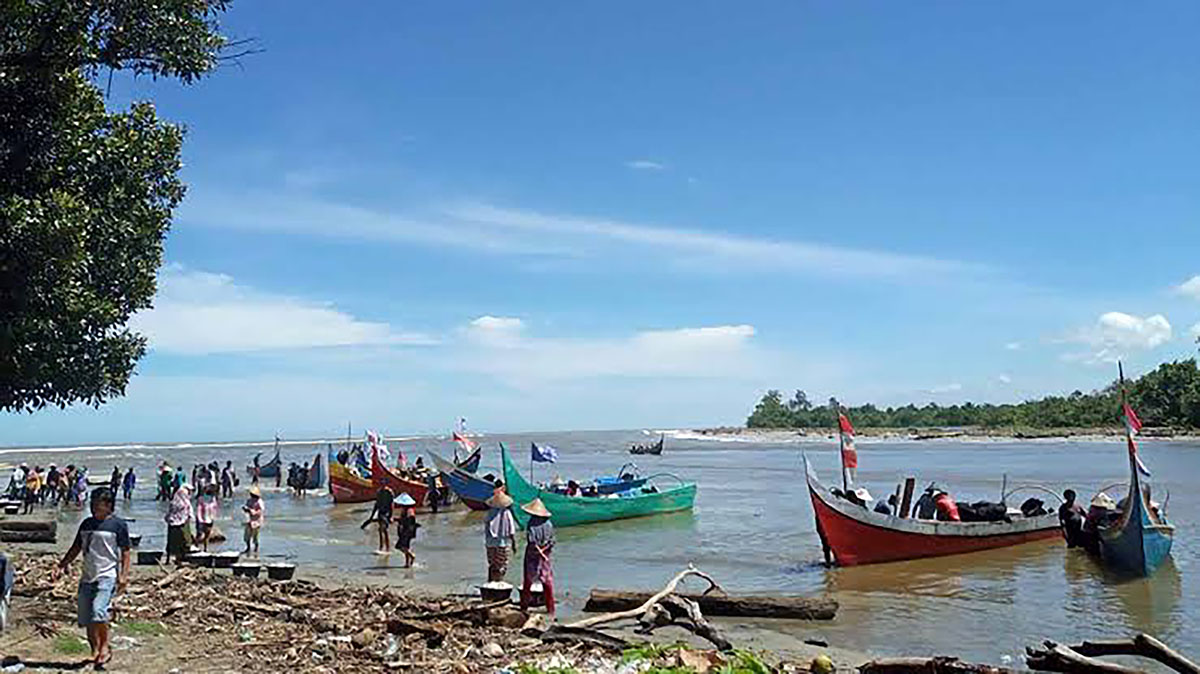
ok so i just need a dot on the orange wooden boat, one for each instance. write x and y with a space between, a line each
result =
347 486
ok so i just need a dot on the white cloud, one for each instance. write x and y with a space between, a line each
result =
198 312
714 249
502 348
497 330
645 165
1190 287
1196 331
1013 346
1004 379
1115 335
944 389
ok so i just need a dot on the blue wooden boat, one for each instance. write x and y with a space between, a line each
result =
619 483
1139 541
472 490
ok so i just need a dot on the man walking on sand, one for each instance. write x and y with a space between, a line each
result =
103 539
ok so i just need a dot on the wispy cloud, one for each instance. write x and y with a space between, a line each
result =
1116 334
1190 287
197 312
494 230
1004 379
944 389
1013 346
645 165
692 245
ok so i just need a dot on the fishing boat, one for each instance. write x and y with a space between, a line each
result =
1138 541
270 468
654 449
471 463
571 510
381 475
853 534
472 490
346 485
316 473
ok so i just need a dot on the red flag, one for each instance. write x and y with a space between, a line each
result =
1132 421
464 442
849 455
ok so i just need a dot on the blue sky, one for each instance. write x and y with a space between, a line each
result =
624 214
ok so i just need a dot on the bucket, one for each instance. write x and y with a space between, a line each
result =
204 559
149 557
225 560
135 540
247 569
281 571
12 509
496 591
537 595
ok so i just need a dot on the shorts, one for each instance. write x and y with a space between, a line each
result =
94 601
203 528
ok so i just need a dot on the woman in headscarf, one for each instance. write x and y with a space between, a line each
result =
179 513
539 545
406 528
499 534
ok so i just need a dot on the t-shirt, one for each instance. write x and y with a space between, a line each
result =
101 543
206 509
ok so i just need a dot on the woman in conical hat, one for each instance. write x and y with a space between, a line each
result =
499 534
539 537
406 527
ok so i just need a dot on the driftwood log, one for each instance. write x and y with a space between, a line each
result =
666 608
935 665
47 535
28 525
1081 658
747 606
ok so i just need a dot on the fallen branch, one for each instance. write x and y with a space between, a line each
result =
685 613
1059 658
1081 658
746 606
638 611
583 635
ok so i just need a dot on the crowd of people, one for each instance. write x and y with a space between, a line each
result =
56 486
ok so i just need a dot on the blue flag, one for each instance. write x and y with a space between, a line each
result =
543 454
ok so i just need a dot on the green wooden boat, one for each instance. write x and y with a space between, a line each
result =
568 511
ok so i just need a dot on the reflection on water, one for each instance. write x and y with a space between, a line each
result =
752 529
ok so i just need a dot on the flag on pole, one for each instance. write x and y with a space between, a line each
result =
1132 425
543 454
849 455
463 441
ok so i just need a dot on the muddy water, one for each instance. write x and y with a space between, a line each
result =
752 529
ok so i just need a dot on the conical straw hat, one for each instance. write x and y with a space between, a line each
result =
536 507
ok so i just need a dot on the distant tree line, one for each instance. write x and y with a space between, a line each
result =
1169 396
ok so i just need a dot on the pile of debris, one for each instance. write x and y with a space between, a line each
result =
298 626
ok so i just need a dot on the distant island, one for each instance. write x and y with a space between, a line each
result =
1167 400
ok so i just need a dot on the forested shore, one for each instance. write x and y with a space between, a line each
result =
1167 398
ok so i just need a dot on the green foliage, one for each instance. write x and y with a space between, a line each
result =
1169 396
69 644
534 669
744 662
86 195
649 651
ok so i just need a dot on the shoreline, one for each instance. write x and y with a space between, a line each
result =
966 434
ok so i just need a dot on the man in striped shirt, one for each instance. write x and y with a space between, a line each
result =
103 539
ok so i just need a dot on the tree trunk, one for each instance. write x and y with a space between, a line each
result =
795 608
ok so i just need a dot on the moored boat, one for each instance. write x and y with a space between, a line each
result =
572 510
471 463
472 490
856 535
654 449
347 486
316 473
1139 541
382 475
270 468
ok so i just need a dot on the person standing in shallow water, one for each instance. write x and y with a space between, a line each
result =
255 515
406 528
129 483
499 535
381 514
179 514
539 545
103 540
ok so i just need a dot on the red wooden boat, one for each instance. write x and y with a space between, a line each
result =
382 475
856 535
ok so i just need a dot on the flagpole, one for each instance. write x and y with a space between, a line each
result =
841 447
